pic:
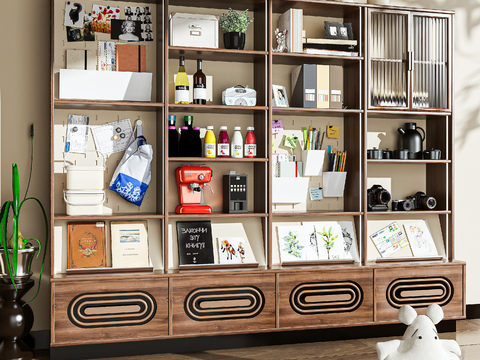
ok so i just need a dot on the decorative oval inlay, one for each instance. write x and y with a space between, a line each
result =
224 303
419 292
326 297
128 308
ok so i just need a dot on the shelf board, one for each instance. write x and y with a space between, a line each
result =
412 212
216 54
317 213
108 217
210 108
238 5
217 159
310 111
289 58
402 112
216 215
400 161
106 105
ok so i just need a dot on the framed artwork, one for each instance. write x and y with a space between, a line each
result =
279 96
420 238
338 30
129 244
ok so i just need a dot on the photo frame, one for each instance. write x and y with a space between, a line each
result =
338 30
280 98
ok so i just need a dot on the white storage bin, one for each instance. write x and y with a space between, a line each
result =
194 30
288 190
84 202
334 183
313 162
85 177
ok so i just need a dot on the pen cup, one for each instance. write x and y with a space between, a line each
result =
334 183
313 162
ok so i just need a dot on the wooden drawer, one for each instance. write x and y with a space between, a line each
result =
87 312
325 297
419 286
222 303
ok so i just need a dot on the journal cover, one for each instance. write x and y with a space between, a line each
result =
81 59
195 244
86 245
131 58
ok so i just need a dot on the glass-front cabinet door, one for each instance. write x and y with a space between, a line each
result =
408 60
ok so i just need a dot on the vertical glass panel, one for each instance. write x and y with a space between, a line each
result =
388 49
430 62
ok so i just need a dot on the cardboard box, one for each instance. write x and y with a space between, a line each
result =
131 58
194 30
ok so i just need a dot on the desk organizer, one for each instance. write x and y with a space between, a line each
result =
334 183
313 162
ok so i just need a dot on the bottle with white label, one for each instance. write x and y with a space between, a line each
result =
236 144
199 85
250 143
181 84
209 143
223 144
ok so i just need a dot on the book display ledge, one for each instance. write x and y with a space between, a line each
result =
296 237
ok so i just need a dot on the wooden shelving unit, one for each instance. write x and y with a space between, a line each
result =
173 299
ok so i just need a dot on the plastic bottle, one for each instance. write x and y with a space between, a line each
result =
236 144
223 145
250 143
185 144
172 141
209 143
196 142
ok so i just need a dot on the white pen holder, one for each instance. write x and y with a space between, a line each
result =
334 183
313 162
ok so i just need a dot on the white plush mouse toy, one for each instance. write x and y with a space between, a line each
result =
420 341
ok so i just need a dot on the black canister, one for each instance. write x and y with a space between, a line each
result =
387 154
432 154
401 154
377 153
412 140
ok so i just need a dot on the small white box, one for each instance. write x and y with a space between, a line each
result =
194 30
105 85
84 202
334 183
313 162
289 190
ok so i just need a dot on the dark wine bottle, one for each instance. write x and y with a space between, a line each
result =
199 85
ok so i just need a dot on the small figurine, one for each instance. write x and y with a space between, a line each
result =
280 36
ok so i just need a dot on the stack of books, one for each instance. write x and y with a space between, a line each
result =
332 47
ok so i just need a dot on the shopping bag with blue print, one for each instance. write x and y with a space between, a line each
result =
133 173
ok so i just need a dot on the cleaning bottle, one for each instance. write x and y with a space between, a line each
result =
236 145
209 143
250 143
223 146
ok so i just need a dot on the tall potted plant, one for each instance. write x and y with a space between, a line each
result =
235 26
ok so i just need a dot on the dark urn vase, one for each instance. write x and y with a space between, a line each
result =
234 40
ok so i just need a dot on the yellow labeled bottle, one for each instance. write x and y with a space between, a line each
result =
209 143
181 84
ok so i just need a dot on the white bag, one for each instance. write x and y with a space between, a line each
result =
133 173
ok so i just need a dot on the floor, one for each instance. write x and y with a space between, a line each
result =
467 336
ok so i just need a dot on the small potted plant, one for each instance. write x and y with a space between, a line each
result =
235 26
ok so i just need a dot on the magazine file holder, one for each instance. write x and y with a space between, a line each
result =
313 162
334 183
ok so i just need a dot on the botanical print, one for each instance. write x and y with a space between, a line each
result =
349 240
420 239
326 240
231 250
291 241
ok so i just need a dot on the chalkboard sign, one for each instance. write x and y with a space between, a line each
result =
195 245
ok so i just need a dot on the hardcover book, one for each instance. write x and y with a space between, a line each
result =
86 245
195 243
131 58
129 244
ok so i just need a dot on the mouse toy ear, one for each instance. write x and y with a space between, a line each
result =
407 314
435 313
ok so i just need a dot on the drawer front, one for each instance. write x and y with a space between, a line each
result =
222 304
324 297
419 287
87 312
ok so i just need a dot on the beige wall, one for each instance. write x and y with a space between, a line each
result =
24 89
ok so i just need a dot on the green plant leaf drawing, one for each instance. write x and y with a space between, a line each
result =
292 245
328 240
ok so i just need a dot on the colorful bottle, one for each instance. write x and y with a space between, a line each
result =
185 143
236 145
188 121
196 142
223 145
209 143
171 120
181 84
199 85
250 143
172 141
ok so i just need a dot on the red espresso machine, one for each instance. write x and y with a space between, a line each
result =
191 181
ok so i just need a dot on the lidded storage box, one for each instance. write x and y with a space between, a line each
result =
194 30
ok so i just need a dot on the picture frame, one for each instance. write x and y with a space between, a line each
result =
129 244
280 98
338 30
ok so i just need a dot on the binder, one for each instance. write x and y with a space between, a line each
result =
336 87
304 85
323 86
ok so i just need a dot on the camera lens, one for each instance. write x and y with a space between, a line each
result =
383 196
428 203
407 205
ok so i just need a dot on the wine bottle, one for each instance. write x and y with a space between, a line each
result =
199 85
181 84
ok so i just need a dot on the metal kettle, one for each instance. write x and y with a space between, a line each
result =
412 140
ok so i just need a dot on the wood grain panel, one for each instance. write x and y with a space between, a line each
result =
387 281
327 298
191 316
140 322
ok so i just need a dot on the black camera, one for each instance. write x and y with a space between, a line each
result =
419 201
402 205
378 198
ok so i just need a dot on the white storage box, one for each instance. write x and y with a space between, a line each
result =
288 190
84 202
105 85
83 177
194 30
334 183
313 162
